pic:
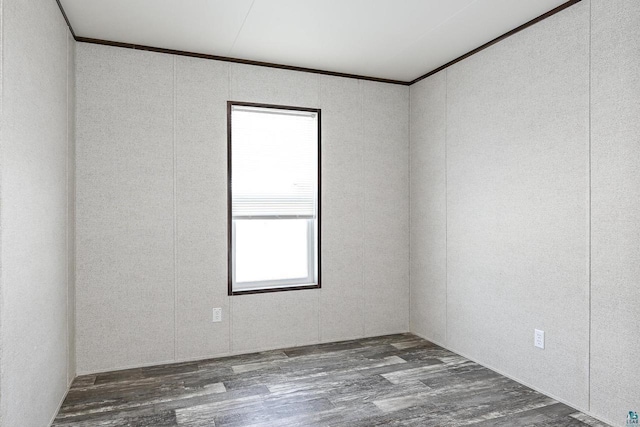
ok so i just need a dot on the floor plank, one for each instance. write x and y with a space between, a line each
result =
395 380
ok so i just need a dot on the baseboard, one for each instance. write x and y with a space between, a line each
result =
64 397
511 377
227 354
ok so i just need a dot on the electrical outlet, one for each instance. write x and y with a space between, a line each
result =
217 315
538 339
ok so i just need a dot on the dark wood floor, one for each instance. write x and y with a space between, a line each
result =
397 380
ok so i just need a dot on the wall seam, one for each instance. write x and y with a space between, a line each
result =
175 218
319 266
230 298
410 216
590 273
364 210
408 236
1 216
67 217
75 210
446 209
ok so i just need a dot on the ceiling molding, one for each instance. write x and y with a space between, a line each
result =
66 19
313 70
498 39
237 60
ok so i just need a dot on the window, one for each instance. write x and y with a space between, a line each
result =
274 203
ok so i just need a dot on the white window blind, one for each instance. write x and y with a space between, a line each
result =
275 164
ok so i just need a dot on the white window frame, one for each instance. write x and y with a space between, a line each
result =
312 281
270 284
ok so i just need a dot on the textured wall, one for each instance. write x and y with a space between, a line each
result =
517 205
542 190
428 208
71 204
36 203
151 210
515 200
124 207
615 224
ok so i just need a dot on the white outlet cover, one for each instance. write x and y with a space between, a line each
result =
217 315
538 339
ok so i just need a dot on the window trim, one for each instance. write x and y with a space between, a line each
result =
318 221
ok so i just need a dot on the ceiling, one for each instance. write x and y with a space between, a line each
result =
389 39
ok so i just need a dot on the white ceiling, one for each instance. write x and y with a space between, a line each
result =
391 39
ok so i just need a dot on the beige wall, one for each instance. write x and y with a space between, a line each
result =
615 208
428 218
36 210
524 163
523 209
71 207
517 205
151 210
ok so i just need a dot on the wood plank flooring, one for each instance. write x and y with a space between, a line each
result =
396 380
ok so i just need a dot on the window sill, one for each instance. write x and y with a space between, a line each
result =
280 289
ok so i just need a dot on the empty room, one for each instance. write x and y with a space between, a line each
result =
319 213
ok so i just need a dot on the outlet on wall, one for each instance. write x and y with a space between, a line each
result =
538 339
217 314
